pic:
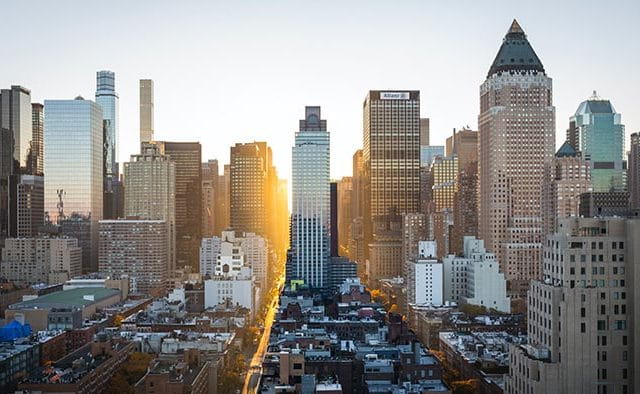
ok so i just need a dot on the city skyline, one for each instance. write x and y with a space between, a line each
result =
230 79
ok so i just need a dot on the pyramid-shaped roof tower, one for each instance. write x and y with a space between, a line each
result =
516 53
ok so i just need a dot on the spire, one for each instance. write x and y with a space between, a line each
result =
515 28
516 54
566 150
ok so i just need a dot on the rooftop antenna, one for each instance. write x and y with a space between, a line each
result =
594 96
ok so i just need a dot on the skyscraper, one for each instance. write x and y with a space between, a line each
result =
146 110
310 191
345 194
150 191
73 145
209 193
187 157
16 133
107 99
36 159
516 143
634 172
249 166
391 151
568 177
599 133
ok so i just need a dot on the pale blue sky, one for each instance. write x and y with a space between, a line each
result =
239 71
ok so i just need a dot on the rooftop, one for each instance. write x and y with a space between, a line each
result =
516 54
80 297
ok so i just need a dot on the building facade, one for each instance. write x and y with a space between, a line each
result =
136 249
516 143
209 193
150 191
107 99
582 335
146 110
633 176
424 277
41 260
187 157
311 213
74 145
599 133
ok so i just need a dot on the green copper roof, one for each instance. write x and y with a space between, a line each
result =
566 150
516 54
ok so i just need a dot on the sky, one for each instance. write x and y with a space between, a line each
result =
239 71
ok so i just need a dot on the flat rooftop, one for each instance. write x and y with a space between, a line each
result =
67 298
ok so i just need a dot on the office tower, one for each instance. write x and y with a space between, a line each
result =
107 99
136 249
280 242
248 187
20 142
633 176
345 194
146 110
391 151
430 152
582 331
567 178
424 277
599 133
465 206
36 158
424 132
26 205
223 199
464 144
40 260
444 171
150 191
209 193
333 219
386 249
516 142
357 245
414 230
311 216
188 197
73 132
441 230
473 277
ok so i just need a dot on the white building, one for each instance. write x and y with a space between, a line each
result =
237 289
424 276
225 255
256 254
474 278
209 251
41 260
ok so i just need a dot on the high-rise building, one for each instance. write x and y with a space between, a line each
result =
107 99
209 193
464 144
516 143
136 249
465 206
444 172
599 133
249 166
430 152
311 217
35 165
187 157
424 132
40 260
256 253
20 144
150 191
73 132
414 230
146 110
634 172
391 151
583 313
386 249
345 193
223 199
333 220
612 203
567 178
357 245
79 227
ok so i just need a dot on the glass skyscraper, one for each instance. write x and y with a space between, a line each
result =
73 163
599 134
310 219
107 99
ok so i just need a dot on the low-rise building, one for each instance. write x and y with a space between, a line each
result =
17 360
190 373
